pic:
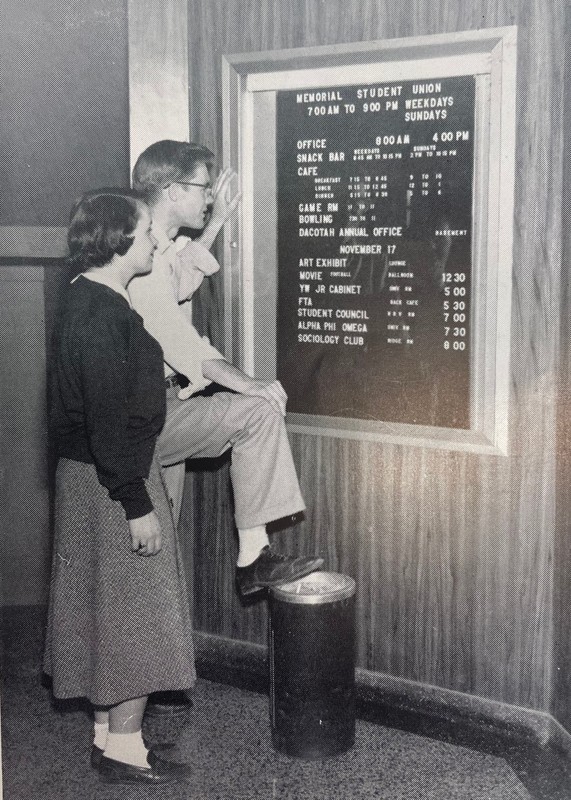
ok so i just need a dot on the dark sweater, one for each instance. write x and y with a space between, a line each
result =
108 391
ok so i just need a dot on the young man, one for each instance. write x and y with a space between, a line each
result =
174 178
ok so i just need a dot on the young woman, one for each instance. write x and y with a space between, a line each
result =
119 624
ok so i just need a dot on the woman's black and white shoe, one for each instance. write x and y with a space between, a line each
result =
97 752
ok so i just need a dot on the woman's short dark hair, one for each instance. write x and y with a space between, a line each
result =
101 226
167 161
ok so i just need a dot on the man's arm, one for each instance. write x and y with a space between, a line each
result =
152 296
218 370
225 374
155 298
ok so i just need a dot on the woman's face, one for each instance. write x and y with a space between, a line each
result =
144 244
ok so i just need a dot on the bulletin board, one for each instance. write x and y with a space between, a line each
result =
370 267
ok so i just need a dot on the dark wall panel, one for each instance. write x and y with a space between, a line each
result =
64 121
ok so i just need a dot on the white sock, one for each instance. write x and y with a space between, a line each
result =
128 748
100 731
252 542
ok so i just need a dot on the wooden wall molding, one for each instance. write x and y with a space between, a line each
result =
218 655
32 242
251 82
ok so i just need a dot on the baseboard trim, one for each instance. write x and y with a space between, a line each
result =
242 663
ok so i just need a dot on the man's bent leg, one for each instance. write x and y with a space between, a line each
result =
262 471
193 428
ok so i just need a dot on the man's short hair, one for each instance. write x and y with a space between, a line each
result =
101 225
167 162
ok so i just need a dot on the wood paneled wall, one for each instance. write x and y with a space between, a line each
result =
453 553
562 560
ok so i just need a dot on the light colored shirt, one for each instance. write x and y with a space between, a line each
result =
162 299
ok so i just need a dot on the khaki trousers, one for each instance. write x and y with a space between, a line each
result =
262 471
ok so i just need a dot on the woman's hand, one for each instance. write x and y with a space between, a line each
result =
146 537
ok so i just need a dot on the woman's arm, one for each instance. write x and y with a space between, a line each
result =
122 463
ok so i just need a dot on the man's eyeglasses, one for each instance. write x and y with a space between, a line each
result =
206 187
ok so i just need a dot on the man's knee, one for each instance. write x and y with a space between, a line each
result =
262 408
257 417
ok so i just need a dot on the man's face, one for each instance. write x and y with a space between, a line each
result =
194 198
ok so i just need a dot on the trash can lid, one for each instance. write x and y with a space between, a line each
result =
318 587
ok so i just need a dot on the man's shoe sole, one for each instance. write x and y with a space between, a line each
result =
260 586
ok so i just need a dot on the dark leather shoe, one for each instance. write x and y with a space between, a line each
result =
97 752
273 569
168 704
158 771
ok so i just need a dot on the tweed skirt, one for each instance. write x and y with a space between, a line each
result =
118 623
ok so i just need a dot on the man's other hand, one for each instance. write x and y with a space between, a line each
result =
272 392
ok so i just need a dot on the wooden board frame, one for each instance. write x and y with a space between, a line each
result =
250 82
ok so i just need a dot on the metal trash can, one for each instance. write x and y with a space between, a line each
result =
312 665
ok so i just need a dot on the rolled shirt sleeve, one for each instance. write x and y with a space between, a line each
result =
178 270
192 264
